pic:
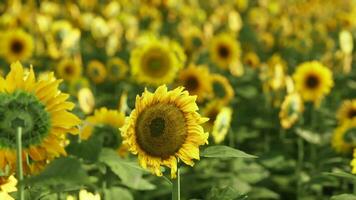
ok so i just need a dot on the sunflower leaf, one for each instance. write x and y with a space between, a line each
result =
342 175
343 197
220 151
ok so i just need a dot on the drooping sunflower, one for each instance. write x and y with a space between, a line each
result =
353 162
7 185
344 137
313 81
156 62
96 71
291 109
165 126
69 69
347 111
16 45
86 100
224 50
196 79
222 124
222 88
117 69
43 113
105 124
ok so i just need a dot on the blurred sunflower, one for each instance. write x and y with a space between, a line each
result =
211 111
86 100
313 81
251 59
291 109
16 45
224 50
196 79
69 69
105 124
222 125
165 126
85 195
347 111
77 84
343 139
353 162
156 62
41 110
96 71
222 88
117 69
7 185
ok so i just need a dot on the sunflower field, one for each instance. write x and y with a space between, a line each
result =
177 99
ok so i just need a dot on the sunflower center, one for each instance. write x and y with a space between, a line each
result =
68 69
219 90
312 81
22 109
223 51
17 46
352 113
191 83
161 130
109 135
156 63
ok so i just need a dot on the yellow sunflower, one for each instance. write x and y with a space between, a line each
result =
291 109
105 124
211 111
224 50
222 124
165 126
86 100
347 111
117 69
42 111
196 79
96 71
85 195
156 62
343 139
7 185
353 162
69 69
16 45
313 81
251 59
222 89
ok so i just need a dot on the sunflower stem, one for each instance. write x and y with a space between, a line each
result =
21 194
300 167
176 186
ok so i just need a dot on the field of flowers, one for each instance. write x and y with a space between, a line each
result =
169 99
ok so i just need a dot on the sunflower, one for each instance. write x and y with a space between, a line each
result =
224 50
16 45
105 124
222 89
347 111
353 162
211 111
86 100
313 81
117 69
165 126
344 137
77 84
222 124
156 62
42 111
96 71
291 109
7 185
251 59
196 79
85 195
69 69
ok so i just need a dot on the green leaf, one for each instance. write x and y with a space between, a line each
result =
220 151
225 193
309 136
263 193
342 175
344 197
87 149
117 193
130 173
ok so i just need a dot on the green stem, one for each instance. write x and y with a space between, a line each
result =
231 138
300 167
176 186
21 194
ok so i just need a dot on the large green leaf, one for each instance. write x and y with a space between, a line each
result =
344 197
220 151
117 193
225 193
342 175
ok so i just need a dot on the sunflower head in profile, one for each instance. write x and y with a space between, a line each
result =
156 62
211 111
117 69
291 109
7 185
43 113
69 70
16 45
165 126
222 125
96 71
347 111
196 79
222 88
251 59
105 125
313 81
224 50
344 137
